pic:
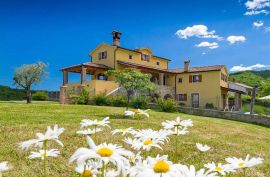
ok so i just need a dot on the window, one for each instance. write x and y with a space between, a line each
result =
182 97
195 78
145 57
224 77
130 57
101 77
180 80
102 55
158 63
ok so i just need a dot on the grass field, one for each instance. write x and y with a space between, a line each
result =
19 122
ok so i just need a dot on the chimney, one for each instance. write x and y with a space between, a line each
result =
116 38
186 64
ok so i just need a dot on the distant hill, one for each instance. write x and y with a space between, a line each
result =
7 93
251 78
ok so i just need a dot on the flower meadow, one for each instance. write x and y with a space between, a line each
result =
106 159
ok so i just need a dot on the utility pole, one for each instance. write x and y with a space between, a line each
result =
252 102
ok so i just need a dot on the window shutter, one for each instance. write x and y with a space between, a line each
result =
190 78
200 78
105 54
185 97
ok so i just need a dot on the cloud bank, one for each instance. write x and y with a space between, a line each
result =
236 39
210 45
249 68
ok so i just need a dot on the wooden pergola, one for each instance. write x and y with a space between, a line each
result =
83 69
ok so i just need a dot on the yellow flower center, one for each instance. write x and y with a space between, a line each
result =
148 142
242 164
161 167
218 168
105 152
122 129
87 173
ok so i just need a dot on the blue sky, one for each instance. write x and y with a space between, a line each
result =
62 33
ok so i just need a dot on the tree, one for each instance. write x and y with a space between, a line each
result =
265 89
132 81
27 75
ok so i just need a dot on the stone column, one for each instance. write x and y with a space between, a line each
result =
63 94
83 74
161 78
65 77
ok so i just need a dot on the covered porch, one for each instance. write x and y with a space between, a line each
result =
97 83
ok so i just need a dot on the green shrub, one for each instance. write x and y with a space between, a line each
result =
40 96
209 106
118 101
168 105
100 100
82 98
140 102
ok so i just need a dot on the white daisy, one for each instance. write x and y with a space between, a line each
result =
169 124
111 173
50 134
95 123
124 131
238 163
4 167
89 131
142 112
88 169
202 148
129 113
42 154
178 131
186 171
147 144
146 134
222 169
135 158
104 152
155 167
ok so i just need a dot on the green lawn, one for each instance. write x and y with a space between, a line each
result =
20 122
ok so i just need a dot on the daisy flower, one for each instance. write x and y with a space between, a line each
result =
135 158
169 124
156 167
89 131
142 112
147 134
124 131
129 114
50 135
238 163
111 173
104 152
4 167
44 153
222 169
88 169
95 123
186 171
202 148
147 144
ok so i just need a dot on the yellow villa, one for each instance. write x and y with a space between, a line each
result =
194 87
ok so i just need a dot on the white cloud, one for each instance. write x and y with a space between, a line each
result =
258 24
204 53
267 28
256 12
249 68
210 45
200 31
234 39
257 7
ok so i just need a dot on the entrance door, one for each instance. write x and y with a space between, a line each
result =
195 100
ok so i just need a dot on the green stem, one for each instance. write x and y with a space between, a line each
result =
44 160
103 169
176 141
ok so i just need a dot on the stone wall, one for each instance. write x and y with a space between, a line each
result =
254 119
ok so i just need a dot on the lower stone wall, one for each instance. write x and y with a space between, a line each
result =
254 119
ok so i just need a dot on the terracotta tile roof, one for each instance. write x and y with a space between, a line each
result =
87 64
142 66
198 69
96 65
